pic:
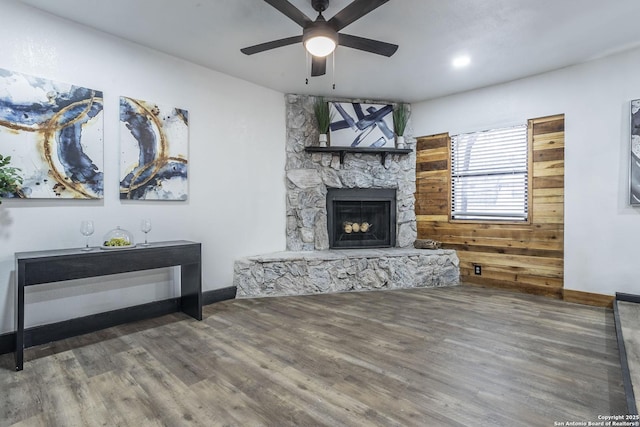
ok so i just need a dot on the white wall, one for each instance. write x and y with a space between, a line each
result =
236 203
602 232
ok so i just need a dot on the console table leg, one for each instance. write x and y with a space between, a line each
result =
20 324
191 290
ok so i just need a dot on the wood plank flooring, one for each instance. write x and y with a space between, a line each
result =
460 356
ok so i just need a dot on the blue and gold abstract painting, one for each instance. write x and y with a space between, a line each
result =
154 140
54 134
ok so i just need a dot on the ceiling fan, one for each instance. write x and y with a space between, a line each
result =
321 37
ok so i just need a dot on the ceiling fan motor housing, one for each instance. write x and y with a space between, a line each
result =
319 28
320 5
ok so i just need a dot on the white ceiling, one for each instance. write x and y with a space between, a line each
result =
506 39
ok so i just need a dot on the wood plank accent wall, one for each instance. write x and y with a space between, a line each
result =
527 256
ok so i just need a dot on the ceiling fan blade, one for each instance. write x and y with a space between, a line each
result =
368 45
318 66
271 45
290 11
355 10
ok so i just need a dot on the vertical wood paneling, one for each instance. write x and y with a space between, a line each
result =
527 257
432 177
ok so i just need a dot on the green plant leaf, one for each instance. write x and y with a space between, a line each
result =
10 180
323 114
401 114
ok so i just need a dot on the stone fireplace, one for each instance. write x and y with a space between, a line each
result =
309 176
359 203
361 218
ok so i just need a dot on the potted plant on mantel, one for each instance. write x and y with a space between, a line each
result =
400 118
9 178
323 117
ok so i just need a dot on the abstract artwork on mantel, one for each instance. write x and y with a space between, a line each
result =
634 172
154 140
361 125
54 134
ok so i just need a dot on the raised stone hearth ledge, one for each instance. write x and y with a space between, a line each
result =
315 272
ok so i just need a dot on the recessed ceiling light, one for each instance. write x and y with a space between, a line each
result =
461 61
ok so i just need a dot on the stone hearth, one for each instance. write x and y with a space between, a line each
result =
313 272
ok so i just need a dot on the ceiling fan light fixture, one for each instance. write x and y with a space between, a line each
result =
319 39
320 46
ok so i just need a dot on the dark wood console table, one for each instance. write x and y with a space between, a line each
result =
36 268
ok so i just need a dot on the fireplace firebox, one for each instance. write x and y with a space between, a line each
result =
361 218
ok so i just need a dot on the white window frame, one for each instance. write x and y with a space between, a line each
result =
490 175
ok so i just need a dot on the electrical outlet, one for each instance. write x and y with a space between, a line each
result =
477 269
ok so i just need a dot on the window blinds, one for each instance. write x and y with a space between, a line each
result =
489 175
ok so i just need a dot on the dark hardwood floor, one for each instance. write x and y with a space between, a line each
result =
461 356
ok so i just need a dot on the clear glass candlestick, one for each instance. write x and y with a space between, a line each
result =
145 226
86 229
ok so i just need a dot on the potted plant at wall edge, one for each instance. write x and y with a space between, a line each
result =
323 117
401 116
9 178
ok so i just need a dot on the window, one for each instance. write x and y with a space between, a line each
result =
489 175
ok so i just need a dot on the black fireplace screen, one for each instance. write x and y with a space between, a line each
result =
361 218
